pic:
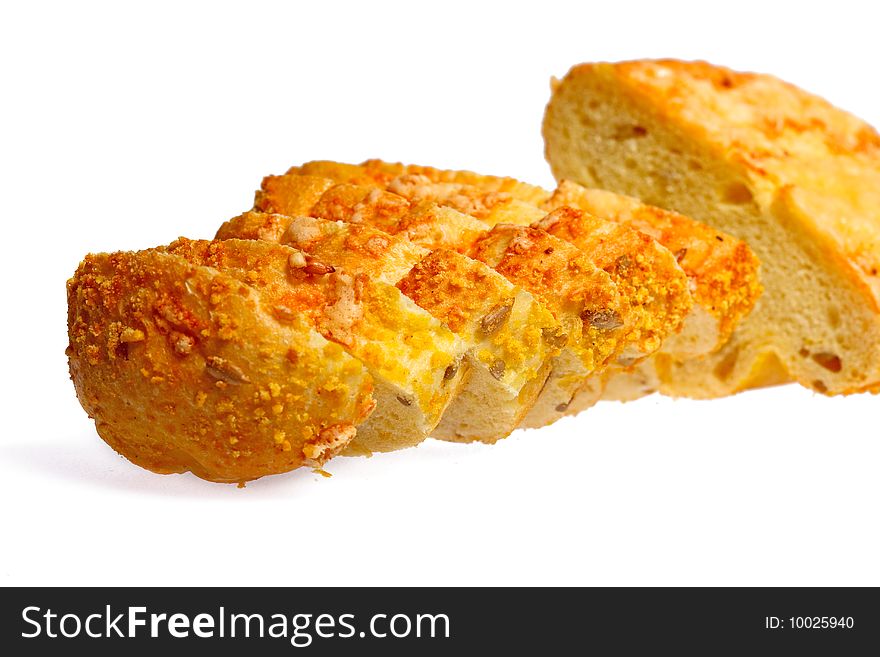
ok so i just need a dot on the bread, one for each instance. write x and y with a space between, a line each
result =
414 360
591 311
377 172
185 369
364 308
758 158
514 342
651 279
596 311
647 273
511 339
722 272
479 297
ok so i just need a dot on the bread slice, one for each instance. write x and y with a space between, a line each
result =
723 280
722 270
471 299
487 205
579 361
515 341
580 295
290 196
358 248
379 173
184 368
647 274
662 309
413 359
510 338
748 154
491 199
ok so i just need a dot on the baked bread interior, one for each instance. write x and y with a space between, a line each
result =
795 177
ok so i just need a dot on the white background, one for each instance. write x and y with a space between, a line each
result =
125 127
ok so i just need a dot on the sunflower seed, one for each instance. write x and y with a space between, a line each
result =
496 317
605 320
222 370
496 369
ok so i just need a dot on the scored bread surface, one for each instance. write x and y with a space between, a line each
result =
647 274
580 295
721 271
599 298
413 359
510 337
406 301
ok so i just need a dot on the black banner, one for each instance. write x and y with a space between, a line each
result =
439 621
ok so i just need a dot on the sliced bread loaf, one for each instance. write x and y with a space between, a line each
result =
604 340
722 271
413 359
511 339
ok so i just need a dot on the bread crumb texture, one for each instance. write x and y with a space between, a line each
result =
758 159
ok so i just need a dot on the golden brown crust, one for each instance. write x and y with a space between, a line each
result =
361 204
452 291
646 275
489 199
474 201
657 285
433 226
723 273
290 195
535 267
356 248
255 226
579 294
377 172
184 370
402 346
510 337
723 269
340 172
445 227
420 220
472 299
329 297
